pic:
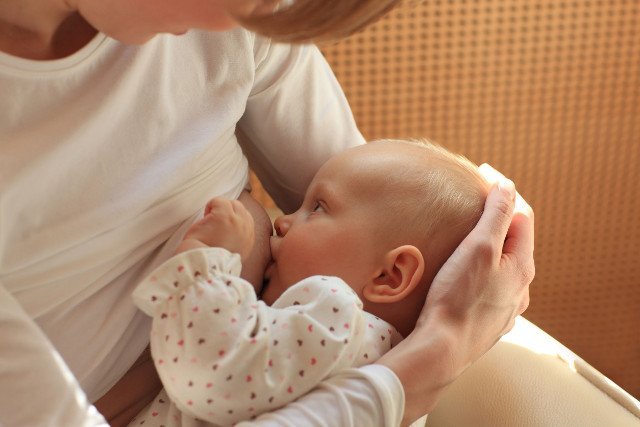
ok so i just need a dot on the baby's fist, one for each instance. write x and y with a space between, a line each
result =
226 224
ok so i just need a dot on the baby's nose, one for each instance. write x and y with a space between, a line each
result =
281 225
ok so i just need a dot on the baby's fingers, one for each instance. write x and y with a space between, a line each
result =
216 205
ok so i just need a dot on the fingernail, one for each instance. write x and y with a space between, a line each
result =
507 187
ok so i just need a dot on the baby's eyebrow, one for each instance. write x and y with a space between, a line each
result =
327 193
322 189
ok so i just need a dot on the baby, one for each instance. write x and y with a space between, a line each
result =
350 272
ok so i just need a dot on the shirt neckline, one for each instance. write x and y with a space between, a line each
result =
22 64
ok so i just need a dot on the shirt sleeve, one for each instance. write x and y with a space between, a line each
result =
36 386
368 396
224 357
296 117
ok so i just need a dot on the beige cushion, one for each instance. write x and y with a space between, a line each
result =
531 380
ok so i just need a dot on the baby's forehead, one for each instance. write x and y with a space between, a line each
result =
372 172
360 168
375 157
387 148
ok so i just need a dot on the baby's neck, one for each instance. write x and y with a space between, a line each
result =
402 315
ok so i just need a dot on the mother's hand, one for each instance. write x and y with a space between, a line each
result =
473 300
485 283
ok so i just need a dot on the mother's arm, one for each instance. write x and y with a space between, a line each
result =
472 302
37 387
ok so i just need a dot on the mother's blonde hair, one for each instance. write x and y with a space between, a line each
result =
303 21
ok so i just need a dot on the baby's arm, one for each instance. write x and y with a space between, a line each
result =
223 356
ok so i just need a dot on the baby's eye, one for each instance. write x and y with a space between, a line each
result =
318 207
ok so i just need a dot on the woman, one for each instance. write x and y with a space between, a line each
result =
114 133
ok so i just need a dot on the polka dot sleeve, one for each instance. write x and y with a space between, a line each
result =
177 275
224 357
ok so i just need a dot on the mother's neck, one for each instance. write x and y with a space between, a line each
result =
42 29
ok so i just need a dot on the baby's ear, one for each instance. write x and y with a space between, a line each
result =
401 272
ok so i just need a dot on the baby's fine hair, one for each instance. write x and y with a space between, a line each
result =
440 197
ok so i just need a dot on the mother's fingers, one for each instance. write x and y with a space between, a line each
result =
522 208
490 174
489 234
520 236
518 242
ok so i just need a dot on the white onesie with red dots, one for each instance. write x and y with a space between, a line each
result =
224 357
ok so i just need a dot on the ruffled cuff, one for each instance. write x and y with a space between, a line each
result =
182 271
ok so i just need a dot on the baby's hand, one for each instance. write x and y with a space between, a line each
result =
226 224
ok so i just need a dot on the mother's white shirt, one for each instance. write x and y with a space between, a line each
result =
107 156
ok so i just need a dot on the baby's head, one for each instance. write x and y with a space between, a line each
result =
383 217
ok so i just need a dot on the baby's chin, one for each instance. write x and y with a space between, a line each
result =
267 294
271 290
